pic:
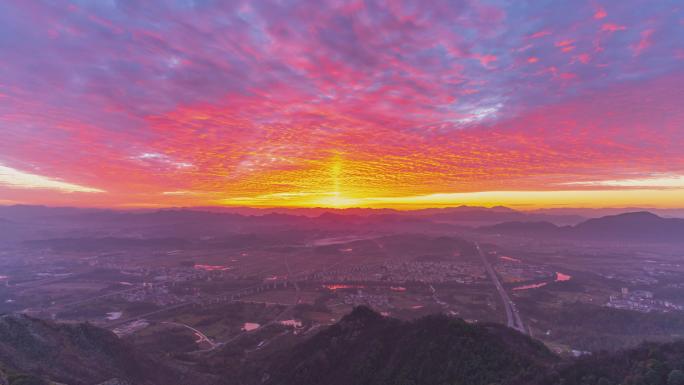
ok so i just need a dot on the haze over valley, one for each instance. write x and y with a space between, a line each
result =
188 287
341 192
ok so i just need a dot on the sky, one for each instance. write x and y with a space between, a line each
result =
404 104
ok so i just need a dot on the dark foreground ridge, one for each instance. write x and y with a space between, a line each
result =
74 354
364 348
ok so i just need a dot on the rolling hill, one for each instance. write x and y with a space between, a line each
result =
363 348
366 348
75 354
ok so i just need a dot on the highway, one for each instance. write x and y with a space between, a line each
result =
512 315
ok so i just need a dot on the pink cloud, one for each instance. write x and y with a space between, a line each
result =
611 27
583 58
485 60
600 13
222 100
645 42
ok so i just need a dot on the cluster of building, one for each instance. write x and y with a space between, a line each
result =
636 279
516 271
356 273
433 272
375 301
401 272
642 301
174 274
158 294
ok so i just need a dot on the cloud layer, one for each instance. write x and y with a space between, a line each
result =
338 102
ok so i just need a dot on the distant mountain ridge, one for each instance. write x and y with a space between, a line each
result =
29 223
459 214
462 214
602 212
24 223
628 227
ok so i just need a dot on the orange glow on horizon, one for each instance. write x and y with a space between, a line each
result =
665 198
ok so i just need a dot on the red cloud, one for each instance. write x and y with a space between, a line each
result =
539 34
600 14
565 45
